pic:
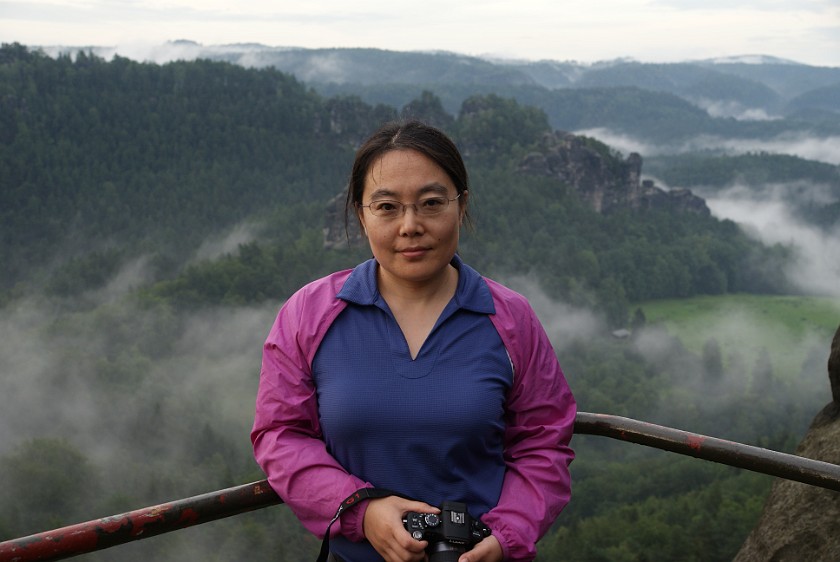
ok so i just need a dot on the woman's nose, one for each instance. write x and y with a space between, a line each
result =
410 222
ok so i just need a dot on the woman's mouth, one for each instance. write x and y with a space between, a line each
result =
414 253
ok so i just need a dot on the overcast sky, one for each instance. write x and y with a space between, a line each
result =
806 31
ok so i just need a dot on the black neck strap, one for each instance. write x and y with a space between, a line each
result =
352 500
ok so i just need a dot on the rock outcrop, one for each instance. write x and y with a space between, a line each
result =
337 232
602 178
799 521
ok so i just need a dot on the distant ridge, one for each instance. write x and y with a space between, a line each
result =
247 46
750 96
751 59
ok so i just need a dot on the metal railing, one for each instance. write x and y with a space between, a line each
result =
111 531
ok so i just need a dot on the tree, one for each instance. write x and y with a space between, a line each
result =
638 322
762 374
495 125
429 109
47 483
712 360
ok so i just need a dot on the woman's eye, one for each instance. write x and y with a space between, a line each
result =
431 203
385 206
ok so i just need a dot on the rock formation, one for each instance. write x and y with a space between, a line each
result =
799 521
602 178
337 234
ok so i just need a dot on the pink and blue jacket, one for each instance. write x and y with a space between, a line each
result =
289 443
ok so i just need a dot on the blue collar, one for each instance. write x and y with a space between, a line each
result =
472 292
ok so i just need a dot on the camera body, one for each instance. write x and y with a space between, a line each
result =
450 533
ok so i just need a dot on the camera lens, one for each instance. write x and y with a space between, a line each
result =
444 552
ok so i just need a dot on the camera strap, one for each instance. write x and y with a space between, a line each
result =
352 500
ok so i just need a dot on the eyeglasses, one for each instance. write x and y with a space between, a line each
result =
426 207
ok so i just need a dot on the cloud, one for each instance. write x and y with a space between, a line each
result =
39 395
820 149
328 64
153 428
227 243
725 109
797 357
133 274
816 6
112 379
531 29
769 217
743 335
565 324
622 142
156 53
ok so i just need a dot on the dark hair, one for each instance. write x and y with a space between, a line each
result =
405 135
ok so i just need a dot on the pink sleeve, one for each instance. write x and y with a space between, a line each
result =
287 436
540 416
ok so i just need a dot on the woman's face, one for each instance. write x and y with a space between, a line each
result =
411 248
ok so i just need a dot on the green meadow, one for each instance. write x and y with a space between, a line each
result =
789 328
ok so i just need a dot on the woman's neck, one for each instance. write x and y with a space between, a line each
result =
409 293
417 306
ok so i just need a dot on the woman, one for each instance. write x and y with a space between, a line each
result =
413 373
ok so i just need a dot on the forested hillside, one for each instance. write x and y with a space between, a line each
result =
103 158
153 218
810 190
106 162
663 103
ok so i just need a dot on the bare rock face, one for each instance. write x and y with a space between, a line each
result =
341 231
834 367
799 521
601 178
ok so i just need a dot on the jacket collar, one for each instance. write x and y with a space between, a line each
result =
472 292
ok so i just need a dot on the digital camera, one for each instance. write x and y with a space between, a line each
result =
450 533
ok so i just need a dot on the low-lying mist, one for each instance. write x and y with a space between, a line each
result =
768 212
159 401
744 354
108 378
807 146
726 109
768 216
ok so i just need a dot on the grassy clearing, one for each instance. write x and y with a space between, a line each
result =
788 327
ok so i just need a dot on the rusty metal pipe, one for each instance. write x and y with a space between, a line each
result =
151 521
104 533
756 459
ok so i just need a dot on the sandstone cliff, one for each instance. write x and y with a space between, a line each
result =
337 233
602 178
799 521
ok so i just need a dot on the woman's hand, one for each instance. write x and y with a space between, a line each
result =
488 550
384 529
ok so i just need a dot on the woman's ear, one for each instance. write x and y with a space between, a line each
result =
362 227
462 205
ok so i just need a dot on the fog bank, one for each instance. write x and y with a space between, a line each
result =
820 149
768 217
